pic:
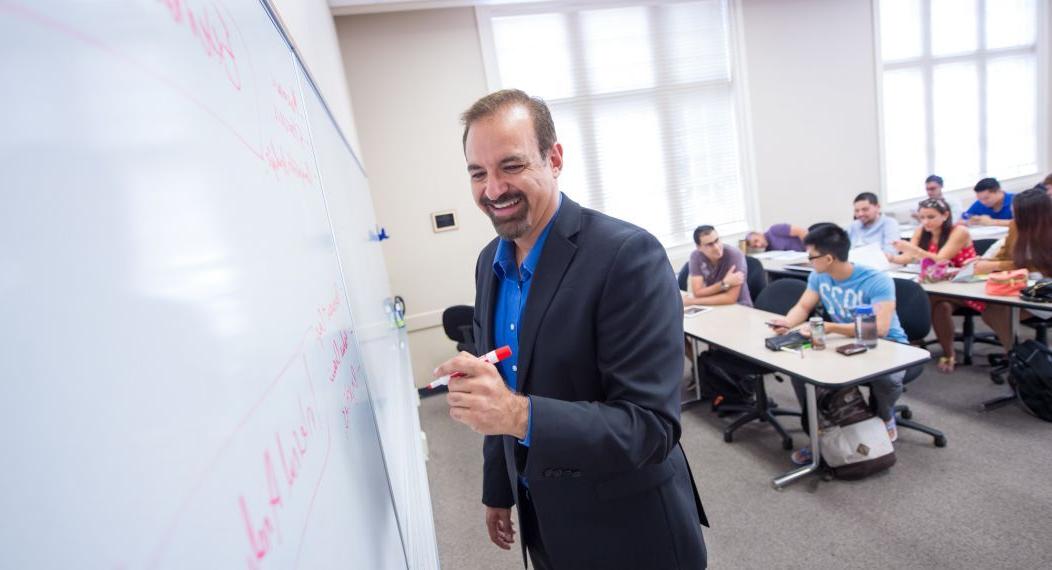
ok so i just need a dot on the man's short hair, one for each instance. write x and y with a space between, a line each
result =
1048 180
543 125
868 197
987 184
702 231
829 239
934 178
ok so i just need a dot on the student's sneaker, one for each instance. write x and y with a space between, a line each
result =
802 456
893 431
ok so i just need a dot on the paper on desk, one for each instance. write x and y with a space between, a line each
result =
965 275
781 255
870 255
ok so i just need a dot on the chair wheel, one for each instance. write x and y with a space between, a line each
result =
906 414
940 441
787 444
728 437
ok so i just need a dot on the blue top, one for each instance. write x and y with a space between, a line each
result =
885 230
865 286
512 291
978 209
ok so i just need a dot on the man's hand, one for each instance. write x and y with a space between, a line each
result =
734 277
501 530
481 400
979 221
780 326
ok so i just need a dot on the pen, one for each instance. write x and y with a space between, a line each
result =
493 357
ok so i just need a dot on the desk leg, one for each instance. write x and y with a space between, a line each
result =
694 367
816 449
1001 401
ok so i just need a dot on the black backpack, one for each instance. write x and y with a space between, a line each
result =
1030 371
721 381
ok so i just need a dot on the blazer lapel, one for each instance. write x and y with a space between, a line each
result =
488 300
558 251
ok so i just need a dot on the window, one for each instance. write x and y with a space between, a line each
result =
644 102
963 92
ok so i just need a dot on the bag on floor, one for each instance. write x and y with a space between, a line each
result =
1030 370
854 441
720 382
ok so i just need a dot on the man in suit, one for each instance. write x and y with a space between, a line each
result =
582 422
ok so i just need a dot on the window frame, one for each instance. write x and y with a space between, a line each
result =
926 64
738 84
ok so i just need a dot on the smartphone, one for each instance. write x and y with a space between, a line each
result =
852 349
695 311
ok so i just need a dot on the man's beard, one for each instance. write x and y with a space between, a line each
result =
514 227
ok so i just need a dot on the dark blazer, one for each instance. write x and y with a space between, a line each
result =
601 357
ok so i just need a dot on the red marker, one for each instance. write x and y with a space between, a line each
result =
492 357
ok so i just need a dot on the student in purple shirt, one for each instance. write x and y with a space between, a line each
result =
779 237
717 272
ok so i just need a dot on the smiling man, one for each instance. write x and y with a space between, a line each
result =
582 422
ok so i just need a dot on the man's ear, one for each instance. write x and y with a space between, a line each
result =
555 159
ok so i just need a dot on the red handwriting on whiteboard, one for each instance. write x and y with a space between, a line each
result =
288 95
210 28
280 162
325 314
290 127
291 453
339 348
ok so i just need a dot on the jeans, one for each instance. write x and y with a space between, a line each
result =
884 393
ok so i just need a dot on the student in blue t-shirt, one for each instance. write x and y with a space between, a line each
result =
841 286
992 207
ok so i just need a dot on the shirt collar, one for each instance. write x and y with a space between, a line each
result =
504 264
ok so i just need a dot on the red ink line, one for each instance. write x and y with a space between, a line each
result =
314 495
62 28
169 529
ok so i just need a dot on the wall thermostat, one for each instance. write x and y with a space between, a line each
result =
444 221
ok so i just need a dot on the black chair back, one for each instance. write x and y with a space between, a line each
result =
756 277
981 245
780 295
913 308
684 274
458 322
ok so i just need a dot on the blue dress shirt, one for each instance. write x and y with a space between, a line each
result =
512 290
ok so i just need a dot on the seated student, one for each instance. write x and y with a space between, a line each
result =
933 186
1027 245
870 226
779 237
992 207
938 239
717 273
841 286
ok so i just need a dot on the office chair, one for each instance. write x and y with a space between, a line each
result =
755 277
683 276
914 311
982 245
1040 327
777 297
457 321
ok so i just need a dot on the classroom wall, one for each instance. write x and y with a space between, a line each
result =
411 74
313 30
812 103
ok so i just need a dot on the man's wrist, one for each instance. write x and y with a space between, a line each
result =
521 415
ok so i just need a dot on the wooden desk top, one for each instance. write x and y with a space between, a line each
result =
741 330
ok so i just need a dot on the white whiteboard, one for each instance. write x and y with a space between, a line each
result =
198 369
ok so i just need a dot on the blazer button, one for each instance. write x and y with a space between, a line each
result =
547 472
576 473
557 472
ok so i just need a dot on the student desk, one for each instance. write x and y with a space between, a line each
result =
741 330
977 291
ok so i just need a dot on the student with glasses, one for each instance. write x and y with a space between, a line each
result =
938 239
841 286
933 186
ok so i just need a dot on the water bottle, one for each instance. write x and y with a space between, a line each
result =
818 333
866 326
